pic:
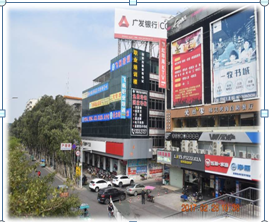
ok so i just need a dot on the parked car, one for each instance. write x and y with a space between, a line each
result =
135 189
105 194
97 184
121 180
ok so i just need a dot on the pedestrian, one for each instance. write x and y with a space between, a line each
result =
38 173
143 196
110 210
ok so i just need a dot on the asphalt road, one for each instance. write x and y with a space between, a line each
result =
131 208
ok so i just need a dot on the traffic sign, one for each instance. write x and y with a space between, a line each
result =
74 146
77 153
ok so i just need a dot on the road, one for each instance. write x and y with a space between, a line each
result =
131 208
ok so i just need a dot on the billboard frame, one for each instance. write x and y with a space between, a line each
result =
202 61
257 48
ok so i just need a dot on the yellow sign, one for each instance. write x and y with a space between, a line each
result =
78 171
105 101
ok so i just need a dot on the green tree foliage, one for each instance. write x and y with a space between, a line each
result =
32 196
42 130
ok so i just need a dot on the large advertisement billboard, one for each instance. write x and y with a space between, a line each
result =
140 25
139 126
234 57
187 70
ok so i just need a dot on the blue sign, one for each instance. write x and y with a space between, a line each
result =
141 169
95 91
120 63
105 116
123 97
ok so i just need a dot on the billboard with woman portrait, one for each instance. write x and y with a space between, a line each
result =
234 57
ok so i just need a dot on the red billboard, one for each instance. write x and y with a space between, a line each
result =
162 63
187 70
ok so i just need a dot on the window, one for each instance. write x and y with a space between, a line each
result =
207 121
227 120
158 141
191 122
249 119
155 122
156 104
154 86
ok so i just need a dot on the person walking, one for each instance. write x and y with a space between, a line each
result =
110 210
38 173
143 196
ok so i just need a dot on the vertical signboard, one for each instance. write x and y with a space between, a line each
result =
234 57
187 71
123 97
162 63
139 126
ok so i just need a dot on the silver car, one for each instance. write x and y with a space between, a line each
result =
135 189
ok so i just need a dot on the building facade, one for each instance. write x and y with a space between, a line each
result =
117 128
212 117
30 104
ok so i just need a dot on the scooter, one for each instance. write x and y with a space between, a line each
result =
143 177
185 194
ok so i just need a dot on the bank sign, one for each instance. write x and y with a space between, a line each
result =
191 161
228 166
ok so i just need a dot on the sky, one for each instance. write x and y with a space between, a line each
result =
48 48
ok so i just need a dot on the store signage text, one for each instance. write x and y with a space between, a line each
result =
95 91
121 62
188 158
222 137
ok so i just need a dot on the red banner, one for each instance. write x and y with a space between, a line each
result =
162 63
187 70
218 164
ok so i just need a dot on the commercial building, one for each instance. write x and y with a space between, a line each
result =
30 104
212 117
76 104
117 132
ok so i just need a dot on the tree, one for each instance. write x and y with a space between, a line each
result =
31 196
43 128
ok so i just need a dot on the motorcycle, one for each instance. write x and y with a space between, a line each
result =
198 196
143 177
150 198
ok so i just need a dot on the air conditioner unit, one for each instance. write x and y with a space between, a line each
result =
185 146
250 155
242 154
168 145
208 152
177 149
201 151
228 153
257 156
217 148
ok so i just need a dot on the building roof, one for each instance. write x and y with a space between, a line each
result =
71 97
103 78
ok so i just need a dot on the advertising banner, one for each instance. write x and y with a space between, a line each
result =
234 57
192 161
187 79
228 166
120 63
139 126
105 101
164 157
155 168
139 162
140 25
95 91
141 170
123 97
162 63
66 146
105 116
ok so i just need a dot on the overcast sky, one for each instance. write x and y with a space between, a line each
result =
48 47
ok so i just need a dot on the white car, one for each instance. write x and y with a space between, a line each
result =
98 184
121 180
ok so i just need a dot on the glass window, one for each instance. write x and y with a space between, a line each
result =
191 122
227 120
